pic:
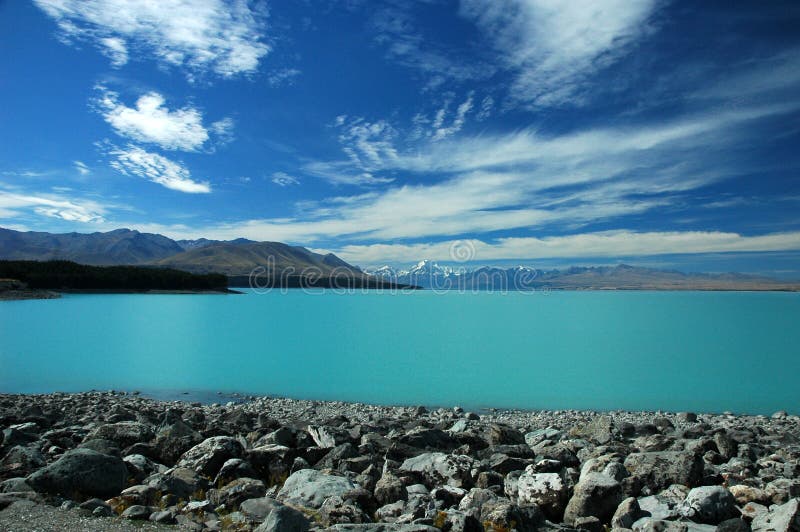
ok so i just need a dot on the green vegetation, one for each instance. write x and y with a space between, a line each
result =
65 275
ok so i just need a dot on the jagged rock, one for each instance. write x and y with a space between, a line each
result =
208 456
595 495
310 488
82 471
257 510
709 504
174 439
336 510
233 469
441 468
326 437
666 504
181 482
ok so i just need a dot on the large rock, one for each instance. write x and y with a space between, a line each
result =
779 518
658 470
595 495
310 488
82 472
598 430
208 456
174 439
284 519
236 492
20 461
546 490
124 433
627 513
709 504
440 468
326 437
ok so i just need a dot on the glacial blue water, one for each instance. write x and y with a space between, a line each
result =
700 351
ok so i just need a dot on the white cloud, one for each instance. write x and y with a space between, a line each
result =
151 122
284 180
133 160
555 46
459 119
13 204
225 37
584 245
81 167
116 50
285 76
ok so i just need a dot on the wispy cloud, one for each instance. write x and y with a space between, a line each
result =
583 245
81 167
284 180
133 160
13 204
554 47
150 121
202 36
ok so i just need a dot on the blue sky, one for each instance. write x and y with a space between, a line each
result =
534 131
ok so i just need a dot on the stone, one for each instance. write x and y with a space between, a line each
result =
257 510
326 437
710 505
174 439
310 488
779 518
733 525
440 468
336 510
744 494
627 513
123 434
82 471
781 490
666 504
14 485
165 517
233 469
208 456
284 519
389 489
590 523
595 495
21 461
234 493
181 482
546 490
137 512
599 430
659 470
537 436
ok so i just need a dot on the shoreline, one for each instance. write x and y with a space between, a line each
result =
332 465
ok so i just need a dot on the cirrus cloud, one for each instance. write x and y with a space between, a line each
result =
133 160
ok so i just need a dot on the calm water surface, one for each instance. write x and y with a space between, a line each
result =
702 351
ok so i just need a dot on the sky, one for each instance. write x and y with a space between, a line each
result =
542 132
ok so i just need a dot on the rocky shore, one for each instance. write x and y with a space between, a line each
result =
114 461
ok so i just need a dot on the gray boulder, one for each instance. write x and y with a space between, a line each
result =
546 490
284 519
208 457
440 468
780 518
627 513
595 495
658 470
21 461
124 433
236 492
257 510
709 504
310 488
82 471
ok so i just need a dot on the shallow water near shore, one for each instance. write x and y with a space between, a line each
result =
701 351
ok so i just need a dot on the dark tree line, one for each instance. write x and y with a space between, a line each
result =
62 274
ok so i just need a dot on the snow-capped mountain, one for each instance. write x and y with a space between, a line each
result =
430 274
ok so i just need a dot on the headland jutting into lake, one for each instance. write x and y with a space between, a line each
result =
80 461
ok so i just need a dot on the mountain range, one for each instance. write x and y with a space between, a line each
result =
297 266
429 274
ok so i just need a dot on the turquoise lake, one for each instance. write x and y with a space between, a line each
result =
700 351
